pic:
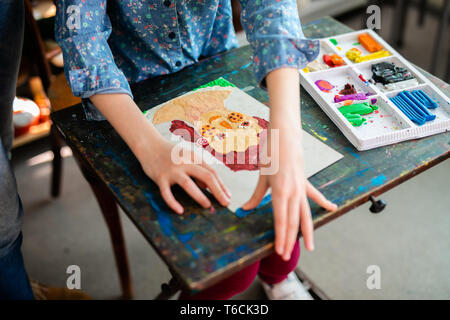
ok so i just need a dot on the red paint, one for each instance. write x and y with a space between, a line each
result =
188 133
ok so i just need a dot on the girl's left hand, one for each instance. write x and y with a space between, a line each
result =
290 190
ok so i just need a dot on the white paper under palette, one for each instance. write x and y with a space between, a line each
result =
388 123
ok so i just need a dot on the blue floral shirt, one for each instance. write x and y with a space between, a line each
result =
107 44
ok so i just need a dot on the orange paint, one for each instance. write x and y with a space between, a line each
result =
225 124
213 118
369 43
337 60
348 102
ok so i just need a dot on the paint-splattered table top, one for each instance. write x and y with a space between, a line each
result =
202 247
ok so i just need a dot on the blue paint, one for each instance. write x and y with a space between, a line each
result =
360 173
245 66
375 182
191 250
357 156
116 190
425 99
117 159
185 237
268 234
165 222
241 213
161 215
225 259
241 248
379 180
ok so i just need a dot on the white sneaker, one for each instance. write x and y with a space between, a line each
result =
289 289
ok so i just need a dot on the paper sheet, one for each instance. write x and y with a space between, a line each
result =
242 183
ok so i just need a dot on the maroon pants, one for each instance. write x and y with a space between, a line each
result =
271 270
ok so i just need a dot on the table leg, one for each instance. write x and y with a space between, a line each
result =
56 143
110 212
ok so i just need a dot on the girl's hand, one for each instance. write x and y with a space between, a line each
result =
290 190
155 153
159 166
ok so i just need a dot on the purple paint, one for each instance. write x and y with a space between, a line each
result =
324 85
357 96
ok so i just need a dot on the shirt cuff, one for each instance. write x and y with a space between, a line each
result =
90 110
96 78
273 54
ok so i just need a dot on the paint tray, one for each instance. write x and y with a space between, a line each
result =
387 124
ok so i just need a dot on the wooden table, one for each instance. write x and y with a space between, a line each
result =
202 247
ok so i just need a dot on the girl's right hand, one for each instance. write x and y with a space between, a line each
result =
159 166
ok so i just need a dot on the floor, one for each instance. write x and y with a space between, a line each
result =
409 241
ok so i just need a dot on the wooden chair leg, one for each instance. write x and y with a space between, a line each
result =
441 36
56 144
110 212
422 12
399 22
447 76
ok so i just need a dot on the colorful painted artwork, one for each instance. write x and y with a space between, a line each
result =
203 118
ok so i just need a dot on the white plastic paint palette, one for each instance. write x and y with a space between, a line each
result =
388 124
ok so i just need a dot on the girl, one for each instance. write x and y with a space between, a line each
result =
107 44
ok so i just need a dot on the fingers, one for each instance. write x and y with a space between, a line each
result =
168 197
185 182
279 203
306 224
208 178
258 194
319 198
293 220
222 185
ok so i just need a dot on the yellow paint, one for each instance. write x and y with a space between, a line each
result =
230 229
319 136
376 55
355 55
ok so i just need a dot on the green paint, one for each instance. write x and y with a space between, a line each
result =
334 41
221 82
353 112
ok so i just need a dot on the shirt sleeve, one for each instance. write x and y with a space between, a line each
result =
274 32
82 29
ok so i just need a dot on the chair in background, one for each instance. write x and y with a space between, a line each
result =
398 29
